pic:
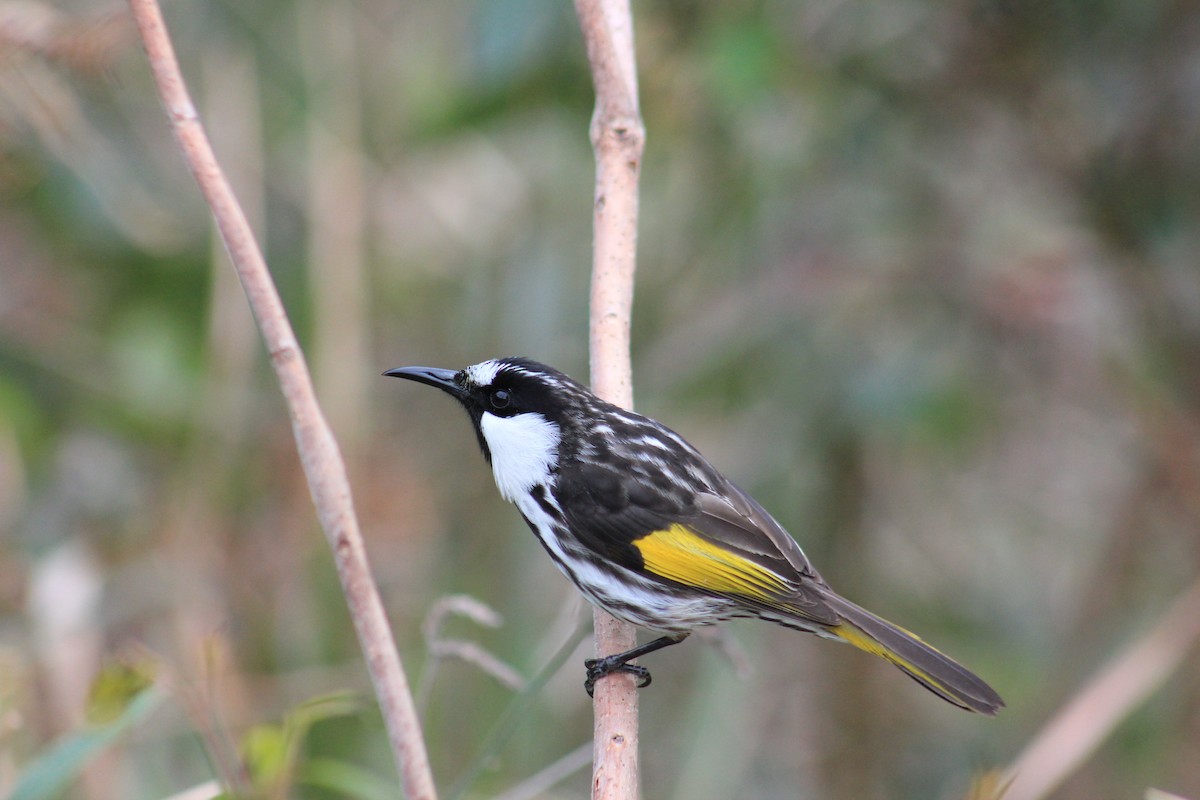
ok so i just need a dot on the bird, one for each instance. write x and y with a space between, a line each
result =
647 529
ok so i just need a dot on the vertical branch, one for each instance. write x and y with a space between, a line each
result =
618 138
319 454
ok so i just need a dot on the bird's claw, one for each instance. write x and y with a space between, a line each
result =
597 668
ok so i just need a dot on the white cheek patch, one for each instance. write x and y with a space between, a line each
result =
524 451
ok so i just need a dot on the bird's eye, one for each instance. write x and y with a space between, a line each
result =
500 399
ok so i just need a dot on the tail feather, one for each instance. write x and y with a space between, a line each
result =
934 670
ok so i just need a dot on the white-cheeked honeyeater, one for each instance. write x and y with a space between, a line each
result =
651 532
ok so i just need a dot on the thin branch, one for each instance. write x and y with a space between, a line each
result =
319 454
443 648
517 709
1079 728
538 784
618 137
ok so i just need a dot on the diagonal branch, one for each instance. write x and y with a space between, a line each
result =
319 453
618 138
1075 732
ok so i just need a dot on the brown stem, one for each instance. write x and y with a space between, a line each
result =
1075 732
618 137
319 454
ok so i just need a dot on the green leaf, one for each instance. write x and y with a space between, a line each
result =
271 752
345 778
116 687
54 770
321 708
265 752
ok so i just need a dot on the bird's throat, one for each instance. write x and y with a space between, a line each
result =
524 451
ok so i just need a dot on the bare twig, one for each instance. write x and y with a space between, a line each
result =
538 784
319 454
1075 732
473 653
1158 794
518 708
209 790
618 137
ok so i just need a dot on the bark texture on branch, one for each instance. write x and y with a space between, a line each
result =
320 456
618 137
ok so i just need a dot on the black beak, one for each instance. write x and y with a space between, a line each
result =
431 376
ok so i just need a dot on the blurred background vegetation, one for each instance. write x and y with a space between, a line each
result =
923 276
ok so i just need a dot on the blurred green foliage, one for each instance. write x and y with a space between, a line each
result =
923 276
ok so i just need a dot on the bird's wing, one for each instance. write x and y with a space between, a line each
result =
723 544
738 521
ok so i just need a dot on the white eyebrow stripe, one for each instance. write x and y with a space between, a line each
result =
483 373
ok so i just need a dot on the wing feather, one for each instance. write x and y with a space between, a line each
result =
722 544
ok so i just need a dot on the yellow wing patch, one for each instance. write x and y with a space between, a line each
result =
678 554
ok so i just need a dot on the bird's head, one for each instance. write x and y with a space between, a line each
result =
520 410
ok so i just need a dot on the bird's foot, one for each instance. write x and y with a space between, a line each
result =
597 668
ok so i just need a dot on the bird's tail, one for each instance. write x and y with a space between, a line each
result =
937 672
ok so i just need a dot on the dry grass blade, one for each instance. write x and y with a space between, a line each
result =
441 648
1075 732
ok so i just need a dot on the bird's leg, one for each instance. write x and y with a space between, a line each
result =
597 668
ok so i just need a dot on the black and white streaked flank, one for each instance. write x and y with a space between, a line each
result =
647 529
